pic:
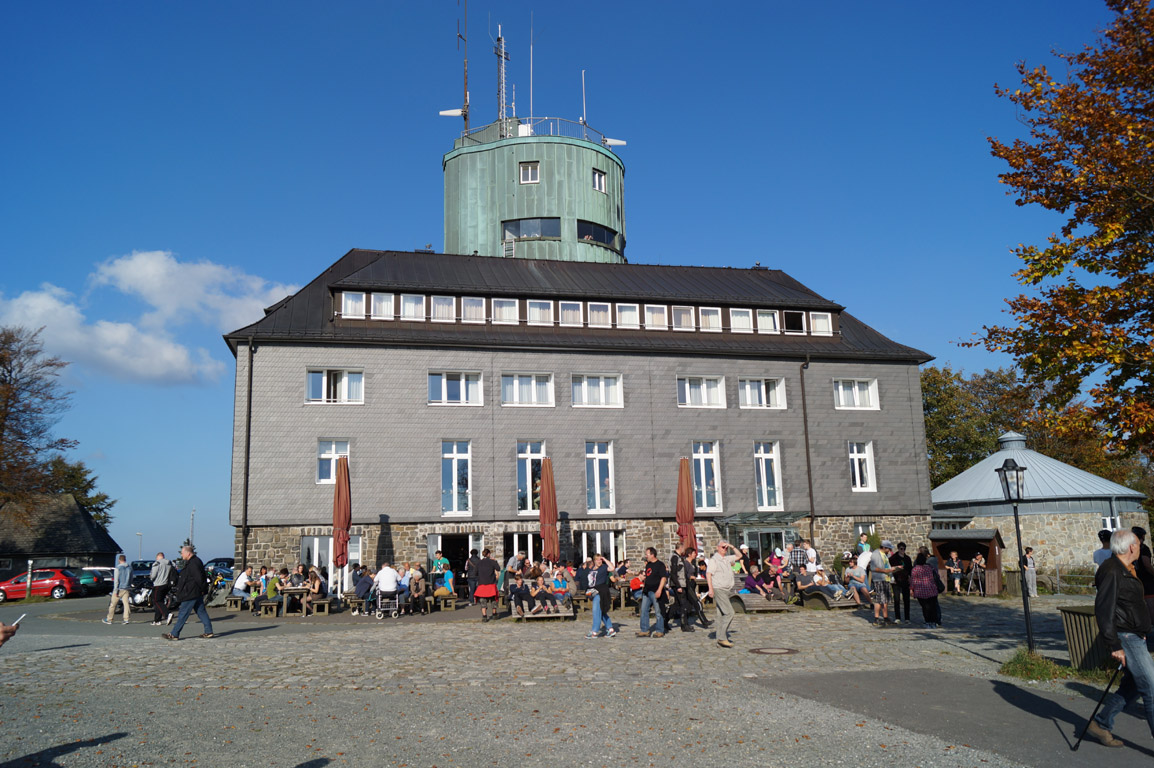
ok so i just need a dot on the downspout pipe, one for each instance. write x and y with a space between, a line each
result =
805 432
247 458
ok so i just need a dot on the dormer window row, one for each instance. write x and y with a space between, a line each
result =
412 307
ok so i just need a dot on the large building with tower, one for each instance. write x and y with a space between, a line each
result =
446 378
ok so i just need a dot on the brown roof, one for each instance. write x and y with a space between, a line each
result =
57 525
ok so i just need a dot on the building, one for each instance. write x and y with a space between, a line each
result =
446 378
1061 511
55 532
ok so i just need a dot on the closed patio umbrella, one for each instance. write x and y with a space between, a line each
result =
342 514
550 543
686 533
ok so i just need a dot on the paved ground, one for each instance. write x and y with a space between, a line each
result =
449 690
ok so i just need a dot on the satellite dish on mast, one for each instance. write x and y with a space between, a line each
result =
611 142
451 112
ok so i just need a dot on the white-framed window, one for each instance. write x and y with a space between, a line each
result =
741 320
328 451
506 312
334 386
472 309
540 312
628 316
598 180
611 544
444 309
683 319
710 319
940 525
599 477
761 393
861 467
353 305
868 527
767 474
767 321
821 323
855 394
701 391
530 172
527 389
793 322
600 315
382 306
455 478
412 307
530 453
1111 522
655 317
597 390
706 476
454 388
570 313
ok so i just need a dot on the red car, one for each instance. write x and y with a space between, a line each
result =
57 582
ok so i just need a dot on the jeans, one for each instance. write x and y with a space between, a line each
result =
649 599
1137 680
186 608
601 621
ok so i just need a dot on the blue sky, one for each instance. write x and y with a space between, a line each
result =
168 169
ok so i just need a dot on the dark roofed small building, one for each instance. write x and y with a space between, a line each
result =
447 379
1061 511
55 533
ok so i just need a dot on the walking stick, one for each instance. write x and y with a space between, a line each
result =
1100 701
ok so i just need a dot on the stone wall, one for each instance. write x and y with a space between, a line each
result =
1057 539
834 535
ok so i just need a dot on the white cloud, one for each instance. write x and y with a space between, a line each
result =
207 294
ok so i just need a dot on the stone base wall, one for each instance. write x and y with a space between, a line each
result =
834 535
1057 539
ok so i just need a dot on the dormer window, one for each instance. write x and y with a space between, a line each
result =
353 305
794 322
821 323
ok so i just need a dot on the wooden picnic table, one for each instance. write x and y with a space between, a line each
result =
288 593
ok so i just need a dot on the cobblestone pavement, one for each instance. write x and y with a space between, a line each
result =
337 690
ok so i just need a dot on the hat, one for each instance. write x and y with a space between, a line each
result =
821 567
887 544
777 552
846 555
745 547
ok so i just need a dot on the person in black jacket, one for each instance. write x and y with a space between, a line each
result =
1123 623
190 588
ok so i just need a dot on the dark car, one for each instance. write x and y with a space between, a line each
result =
217 563
57 582
142 567
95 580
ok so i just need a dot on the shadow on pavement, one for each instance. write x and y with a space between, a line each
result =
47 757
314 763
59 647
231 632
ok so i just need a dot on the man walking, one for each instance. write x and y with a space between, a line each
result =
1123 623
190 588
122 579
681 585
653 594
719 577
903 566
471 574
880 578
161 575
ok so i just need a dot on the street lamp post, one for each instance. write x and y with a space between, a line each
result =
1013 478
139 545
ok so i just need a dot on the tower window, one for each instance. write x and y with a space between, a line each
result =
531 229
598 180
589 232
530 173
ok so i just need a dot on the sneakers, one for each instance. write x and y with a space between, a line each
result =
167 636
611 633
537 609
592 635
1102 735
485 618
168 620
156 623
126 622
106 621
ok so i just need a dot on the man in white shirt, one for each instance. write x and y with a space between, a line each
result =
241 586
386 580
719 577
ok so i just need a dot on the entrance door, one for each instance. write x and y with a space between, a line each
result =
611 544
318 551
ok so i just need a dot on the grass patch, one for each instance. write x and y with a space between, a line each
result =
1032 666
34 599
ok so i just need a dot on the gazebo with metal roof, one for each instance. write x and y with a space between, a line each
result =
1051 488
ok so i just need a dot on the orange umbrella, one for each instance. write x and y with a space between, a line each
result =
342 514
550 543
685 506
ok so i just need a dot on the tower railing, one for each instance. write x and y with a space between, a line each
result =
533 126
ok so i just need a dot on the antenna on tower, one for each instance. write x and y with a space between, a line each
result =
462 38
584 122
502 57
532 114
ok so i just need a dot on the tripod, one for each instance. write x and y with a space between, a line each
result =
977 579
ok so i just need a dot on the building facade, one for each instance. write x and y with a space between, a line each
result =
446 379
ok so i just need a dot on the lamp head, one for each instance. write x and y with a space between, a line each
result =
1013 479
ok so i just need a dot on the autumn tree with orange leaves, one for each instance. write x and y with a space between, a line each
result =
1086 326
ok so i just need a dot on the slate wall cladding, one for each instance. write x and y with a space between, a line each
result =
395 437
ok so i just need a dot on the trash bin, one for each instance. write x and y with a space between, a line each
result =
1013 582
1087 650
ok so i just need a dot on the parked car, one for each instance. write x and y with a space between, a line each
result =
141 567
95 580
220 562
57 582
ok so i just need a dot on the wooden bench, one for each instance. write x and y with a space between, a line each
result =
321 607
756 603
234 603
563 614
581 603
446 603
356 604
269 608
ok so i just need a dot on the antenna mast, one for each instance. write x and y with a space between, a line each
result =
531 113
463 38
502 57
